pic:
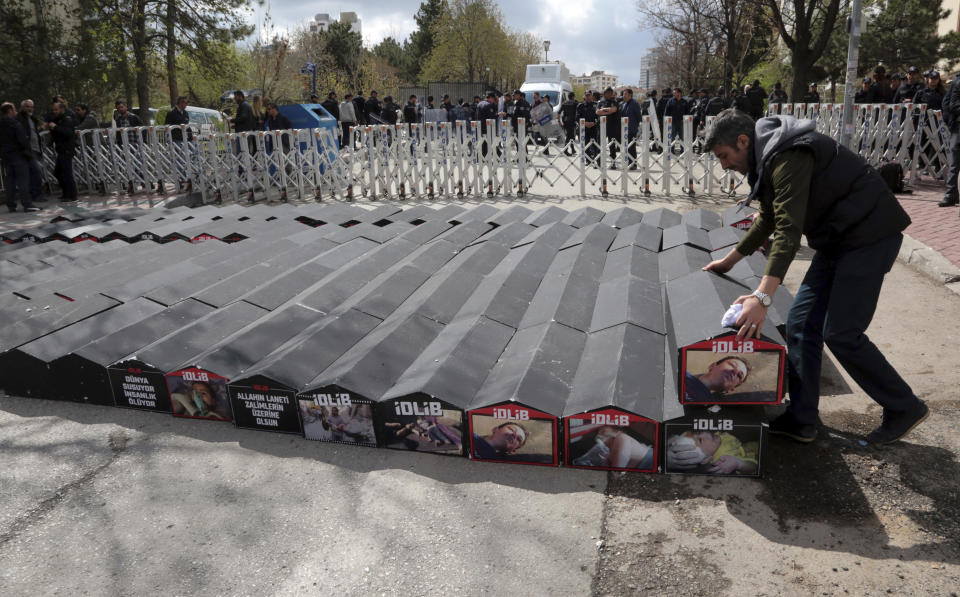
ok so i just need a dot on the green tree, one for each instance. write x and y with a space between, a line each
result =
903 33
390 51
421 41
345 47
469 38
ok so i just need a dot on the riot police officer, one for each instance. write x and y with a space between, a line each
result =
812 96
587 111
568 118
907 92
610 107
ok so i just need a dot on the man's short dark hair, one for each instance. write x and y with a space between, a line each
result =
331 94
181 98
388 99
7 108
239 93
677 89
81 106
118 102
628 90
429 98
412 96
270 106
777 85
727 127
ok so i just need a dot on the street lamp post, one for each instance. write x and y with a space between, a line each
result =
546 50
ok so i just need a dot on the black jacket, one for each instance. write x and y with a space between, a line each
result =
880 92
64 135
129 120
410 114
486 111
389 113
777 96
568 114
14 144
951 106
613 120
717 104
756 95
907 92
175 118
849 205
810 97
588 112
331 106
519 109
280 123
372 107
244 120
931 97
360 108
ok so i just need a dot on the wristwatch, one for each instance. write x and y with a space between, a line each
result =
763 297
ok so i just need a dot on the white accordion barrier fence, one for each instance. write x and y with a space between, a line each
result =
465 158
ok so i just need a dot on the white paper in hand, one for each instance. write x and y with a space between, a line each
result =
732 315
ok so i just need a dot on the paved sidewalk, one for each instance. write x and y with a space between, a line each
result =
936 227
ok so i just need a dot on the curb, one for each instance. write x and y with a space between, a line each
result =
928 261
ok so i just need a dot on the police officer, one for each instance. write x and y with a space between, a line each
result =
907 92
932 93
756 95
812 96
372 108
587 111
880 92
568 118
778 95
487 110
410 114
739 101
951 117
519 108
610 107
699 108
863 95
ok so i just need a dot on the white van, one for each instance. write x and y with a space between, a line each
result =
551 79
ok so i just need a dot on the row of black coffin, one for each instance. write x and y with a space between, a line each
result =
401 416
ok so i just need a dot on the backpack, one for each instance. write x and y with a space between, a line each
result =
892 174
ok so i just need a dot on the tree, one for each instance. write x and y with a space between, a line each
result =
903 33
345 47
391 51
421 42
469 40
805 26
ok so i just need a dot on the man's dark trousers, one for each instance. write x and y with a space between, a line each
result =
64 173
835 304
17 173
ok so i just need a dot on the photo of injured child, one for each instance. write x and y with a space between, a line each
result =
512 441
608 446
350 424
713 453
425 433
199 399
717 377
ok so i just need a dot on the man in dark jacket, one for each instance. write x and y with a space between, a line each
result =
739 101
178 116
951 117
907 91
609 106
756 95
278 122
64 142
32 126
410 114
15 154
808 184
862 96
631 109
880 92
676 109
244 121
587 111
662 106
520 108
812 96
389 111
360 108
373 108
330 105
568 119
778 95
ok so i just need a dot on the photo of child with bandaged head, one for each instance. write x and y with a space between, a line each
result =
713 452
199 398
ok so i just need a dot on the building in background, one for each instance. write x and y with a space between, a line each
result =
648 73
322 21
951 24
598 79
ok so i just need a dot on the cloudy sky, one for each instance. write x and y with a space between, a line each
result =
586 34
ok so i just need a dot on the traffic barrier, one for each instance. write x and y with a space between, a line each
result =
444 159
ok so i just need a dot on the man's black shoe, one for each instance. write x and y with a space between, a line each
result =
787 426
897 425
947 202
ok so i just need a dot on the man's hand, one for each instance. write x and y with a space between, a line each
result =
719 266
751 318
724 465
